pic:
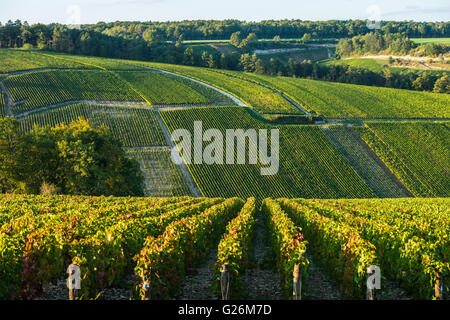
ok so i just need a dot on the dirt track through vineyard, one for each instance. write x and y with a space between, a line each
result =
318 286
262 282
197 284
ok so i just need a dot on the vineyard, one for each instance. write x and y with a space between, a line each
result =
221 230
162 177
146 246
163 89
134 127
374 174
305 155
101 236
416 153
374 65
408 239
261 99
19 60
96 62
2 105
338 100
33 90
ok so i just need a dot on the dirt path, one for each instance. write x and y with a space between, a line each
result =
319 286
149 148
166 107
125 104
262 282
128 104
58 291
197 283
184 169
295 104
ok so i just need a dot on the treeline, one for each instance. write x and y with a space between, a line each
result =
217 30
75 159
15 34
396 44
75 41
407 79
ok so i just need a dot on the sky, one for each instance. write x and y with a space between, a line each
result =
93 11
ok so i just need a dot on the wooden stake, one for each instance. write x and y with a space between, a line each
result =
224 281
73 294
370 295
438 287
297 283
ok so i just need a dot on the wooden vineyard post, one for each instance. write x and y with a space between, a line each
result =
439 287
297 283
370 294
225 281
73 293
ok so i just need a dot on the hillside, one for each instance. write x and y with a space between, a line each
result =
310 167
224 159
133 98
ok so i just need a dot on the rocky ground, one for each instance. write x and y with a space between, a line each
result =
197 283
262 282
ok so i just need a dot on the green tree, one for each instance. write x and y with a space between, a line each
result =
93 163
424 82
306 38
252 39
205 59
259 66
74 159
250 62
180 40
344 48
442 85
189 57
236 39
61 40
151 36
